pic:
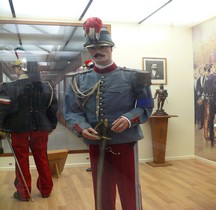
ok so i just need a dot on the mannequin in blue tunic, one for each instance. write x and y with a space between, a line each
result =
123 97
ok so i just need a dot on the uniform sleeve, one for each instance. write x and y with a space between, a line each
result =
73 113
144 101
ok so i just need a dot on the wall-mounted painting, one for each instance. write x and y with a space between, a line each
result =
158 69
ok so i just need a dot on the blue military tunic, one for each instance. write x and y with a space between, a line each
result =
108 95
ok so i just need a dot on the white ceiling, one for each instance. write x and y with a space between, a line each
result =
58 48
177 12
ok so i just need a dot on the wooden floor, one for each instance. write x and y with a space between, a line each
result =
186 185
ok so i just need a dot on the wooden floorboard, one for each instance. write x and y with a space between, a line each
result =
186 185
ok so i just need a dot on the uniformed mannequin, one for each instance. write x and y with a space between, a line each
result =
123 97
28 111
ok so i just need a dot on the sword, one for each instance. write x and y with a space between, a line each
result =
102 146
18 165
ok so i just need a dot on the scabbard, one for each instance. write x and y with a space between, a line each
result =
100 167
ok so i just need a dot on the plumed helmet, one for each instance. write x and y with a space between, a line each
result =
28 63
19 63
94 34
22 63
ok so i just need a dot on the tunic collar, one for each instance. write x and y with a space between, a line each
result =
108 69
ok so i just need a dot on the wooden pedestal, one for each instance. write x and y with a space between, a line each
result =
57 159
159 125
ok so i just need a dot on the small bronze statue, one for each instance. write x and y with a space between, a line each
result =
161 95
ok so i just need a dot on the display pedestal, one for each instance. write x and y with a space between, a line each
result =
159 125
57 159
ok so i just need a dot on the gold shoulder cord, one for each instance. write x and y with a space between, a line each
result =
51 97
86 94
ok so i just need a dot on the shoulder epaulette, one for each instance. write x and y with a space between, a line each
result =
133 70
143 77
125 69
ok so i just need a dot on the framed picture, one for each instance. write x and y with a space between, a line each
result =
158 69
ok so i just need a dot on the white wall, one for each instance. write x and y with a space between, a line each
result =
174 43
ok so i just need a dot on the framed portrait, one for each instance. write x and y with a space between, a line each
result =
158 69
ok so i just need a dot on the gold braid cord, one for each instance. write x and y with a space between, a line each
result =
86 94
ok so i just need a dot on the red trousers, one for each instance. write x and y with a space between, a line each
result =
37 142
120 172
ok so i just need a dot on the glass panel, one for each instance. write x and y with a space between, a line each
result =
58 50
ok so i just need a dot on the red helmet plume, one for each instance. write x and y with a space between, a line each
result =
92 27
